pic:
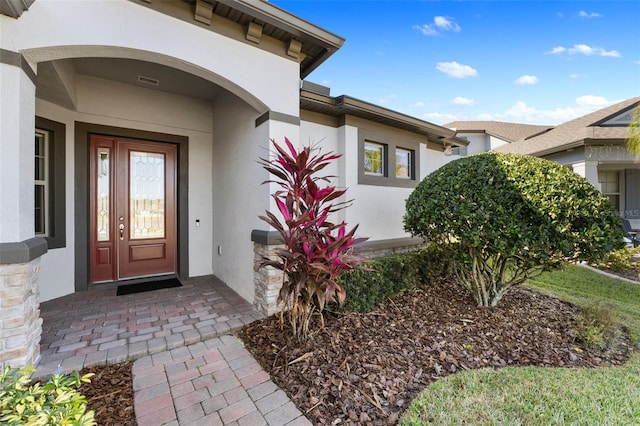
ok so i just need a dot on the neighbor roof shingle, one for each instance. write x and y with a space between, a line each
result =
510 132
574 132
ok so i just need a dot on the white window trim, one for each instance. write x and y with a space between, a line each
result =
410 154
43 182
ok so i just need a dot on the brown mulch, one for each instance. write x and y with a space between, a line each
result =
367 368
110 394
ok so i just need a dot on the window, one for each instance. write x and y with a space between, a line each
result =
610 186
41 181
388 158
404 163
49 182
374 159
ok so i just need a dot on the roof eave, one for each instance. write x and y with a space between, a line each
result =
294 25
344 105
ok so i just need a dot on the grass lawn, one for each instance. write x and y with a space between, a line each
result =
532 396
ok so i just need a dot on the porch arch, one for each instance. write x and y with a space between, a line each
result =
47 54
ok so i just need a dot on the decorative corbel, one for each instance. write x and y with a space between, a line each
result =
254 32
203 12
294 49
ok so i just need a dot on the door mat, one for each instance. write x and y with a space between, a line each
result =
147 286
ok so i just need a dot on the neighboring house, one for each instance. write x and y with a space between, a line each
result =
489 135
148 118
594 146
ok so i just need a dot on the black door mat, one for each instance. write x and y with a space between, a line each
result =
147 286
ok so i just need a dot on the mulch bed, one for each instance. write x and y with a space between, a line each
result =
110 394
368 367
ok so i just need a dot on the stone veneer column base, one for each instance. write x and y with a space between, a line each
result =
20 322
268 281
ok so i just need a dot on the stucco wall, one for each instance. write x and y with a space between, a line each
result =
115 104
377 209
16 172
120 28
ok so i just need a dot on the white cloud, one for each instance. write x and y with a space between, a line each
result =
556 51
484 117
459 100
439 118
610 53
590 100
526 80
389 99
584 49
521 112
418 104
440 24
456 70
587 15
446 24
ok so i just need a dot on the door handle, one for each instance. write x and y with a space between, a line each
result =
121 228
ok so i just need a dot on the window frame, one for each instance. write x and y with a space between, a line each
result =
610 194
392 141
410 163
42 158
383 149
55 198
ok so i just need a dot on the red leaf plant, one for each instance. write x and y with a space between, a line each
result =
316 251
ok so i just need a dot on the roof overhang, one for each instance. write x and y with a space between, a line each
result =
313 44
346 105
14 8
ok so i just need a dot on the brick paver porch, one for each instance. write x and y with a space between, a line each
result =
189 368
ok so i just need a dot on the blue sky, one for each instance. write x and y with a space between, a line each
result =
542 62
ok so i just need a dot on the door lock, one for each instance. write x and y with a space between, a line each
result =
121 228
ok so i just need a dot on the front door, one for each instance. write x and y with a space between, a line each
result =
133 209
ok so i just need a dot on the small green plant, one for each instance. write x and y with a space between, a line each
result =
56 402
597 325
619 260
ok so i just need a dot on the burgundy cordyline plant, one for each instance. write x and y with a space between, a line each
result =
316 251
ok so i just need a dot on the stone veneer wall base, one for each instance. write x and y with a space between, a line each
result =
20 322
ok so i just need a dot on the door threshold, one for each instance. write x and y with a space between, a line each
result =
147 278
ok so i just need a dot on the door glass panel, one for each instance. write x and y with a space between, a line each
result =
146 195
104 194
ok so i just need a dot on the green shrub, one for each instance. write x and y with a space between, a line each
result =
53 403
391 275
511 217
597 325
619 260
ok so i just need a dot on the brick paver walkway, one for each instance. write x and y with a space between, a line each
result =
188 369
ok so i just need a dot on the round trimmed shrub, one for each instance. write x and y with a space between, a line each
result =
510 217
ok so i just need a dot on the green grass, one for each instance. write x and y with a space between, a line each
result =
541 396
584 288
532 396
